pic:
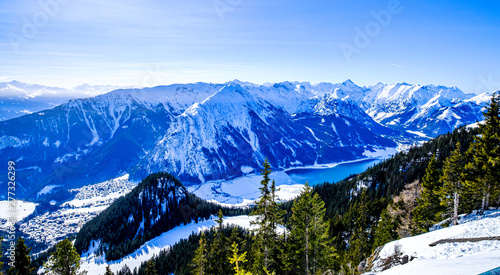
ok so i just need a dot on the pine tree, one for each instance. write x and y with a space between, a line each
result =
199 263
265 234
483 173
451 179
235 238
386 229
308 246
64 261
218 250
275 213
360 242
429 208
150 268
22 264
108 271
238 260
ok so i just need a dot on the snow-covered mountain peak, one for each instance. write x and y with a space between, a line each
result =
348 90
421 108
230 99
480 98
174 98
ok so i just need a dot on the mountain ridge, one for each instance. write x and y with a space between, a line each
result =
205 131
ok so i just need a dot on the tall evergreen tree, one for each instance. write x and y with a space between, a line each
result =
219 250
483 173
428 209
451 180
275 212
309 248
360 241
199 263
264 250
64 261
386 229
22 264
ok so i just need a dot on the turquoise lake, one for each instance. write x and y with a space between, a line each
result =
330 174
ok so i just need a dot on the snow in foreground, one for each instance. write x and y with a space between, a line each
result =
97 265
451 258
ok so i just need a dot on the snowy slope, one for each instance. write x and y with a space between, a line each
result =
451 258
97 265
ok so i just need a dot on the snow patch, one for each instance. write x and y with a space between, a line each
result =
451 258
47 189
10 141
380 152
246 169
420 134
448 115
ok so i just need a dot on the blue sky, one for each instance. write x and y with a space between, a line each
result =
151 42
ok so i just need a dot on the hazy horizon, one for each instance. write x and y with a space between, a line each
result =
64 43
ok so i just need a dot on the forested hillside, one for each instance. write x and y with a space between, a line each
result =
159 203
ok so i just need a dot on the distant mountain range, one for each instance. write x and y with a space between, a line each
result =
17 98
201 131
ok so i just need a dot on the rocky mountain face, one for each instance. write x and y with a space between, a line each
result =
201 131
431 110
